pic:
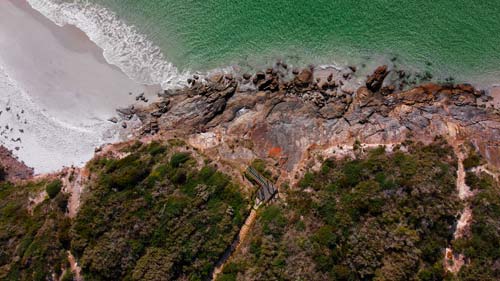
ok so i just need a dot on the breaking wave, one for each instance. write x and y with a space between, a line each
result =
122 44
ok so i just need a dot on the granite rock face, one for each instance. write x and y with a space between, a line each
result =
311 112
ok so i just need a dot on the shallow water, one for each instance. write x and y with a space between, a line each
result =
448 37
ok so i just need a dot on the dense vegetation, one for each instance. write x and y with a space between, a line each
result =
381 216
163 212
156 215
482 245
3 173
160 213
32 244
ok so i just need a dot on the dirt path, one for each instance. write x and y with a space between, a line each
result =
453 262
73 184
75 268
242 235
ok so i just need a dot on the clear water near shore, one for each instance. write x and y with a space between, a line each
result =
459 38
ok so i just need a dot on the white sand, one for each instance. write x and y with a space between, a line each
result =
64 85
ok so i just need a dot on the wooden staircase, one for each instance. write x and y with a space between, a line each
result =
267 190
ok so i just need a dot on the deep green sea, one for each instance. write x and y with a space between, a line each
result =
459 38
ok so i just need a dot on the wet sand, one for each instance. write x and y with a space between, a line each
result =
58 88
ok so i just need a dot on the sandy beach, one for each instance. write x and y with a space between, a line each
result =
57 90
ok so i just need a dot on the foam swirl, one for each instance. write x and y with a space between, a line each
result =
122 44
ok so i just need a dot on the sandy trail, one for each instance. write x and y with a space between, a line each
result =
242 235
453 262
75 268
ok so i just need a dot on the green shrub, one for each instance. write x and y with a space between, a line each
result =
381 215
179 158
176 222
472 160
307 180
3 173
260 166
53 188
156 148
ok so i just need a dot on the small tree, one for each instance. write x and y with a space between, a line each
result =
53 188
3 174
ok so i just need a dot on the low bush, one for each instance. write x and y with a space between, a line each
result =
53 188
377 217
179 158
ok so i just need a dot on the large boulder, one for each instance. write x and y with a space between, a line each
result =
304 78
375 81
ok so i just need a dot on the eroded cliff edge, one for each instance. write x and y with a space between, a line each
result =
286 114
415 168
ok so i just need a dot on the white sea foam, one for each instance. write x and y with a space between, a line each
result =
122 44
45 143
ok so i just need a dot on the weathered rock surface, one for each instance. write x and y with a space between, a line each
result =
375 81
14 169
305 113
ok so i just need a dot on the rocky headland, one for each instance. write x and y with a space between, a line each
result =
376 178
286 114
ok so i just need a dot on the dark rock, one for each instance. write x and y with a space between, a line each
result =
359 115
259 76
126 112
157 114
165 94
330 77
113 120
387 90
333 110
247 76
468 88
139 97
375 81
124 125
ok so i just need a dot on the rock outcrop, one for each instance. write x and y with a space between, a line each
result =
375 81
309 111
13 168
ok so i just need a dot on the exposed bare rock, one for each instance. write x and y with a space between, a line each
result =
301 115
127 112
333 110
304 78
14 169
375 81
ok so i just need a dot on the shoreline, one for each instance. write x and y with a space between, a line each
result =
62 100
142 60
57 90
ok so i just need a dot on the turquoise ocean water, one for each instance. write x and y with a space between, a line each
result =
459 38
